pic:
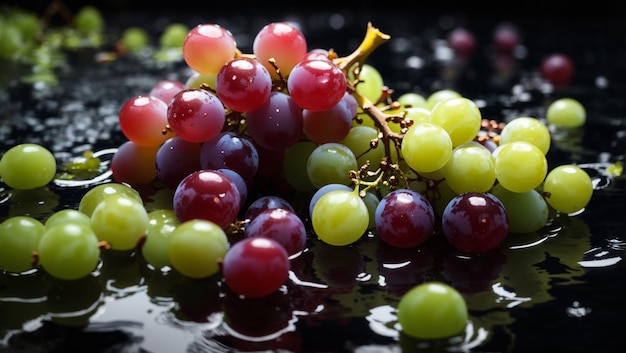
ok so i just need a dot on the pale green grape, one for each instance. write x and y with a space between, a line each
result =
412 99
121 221
371 201
568 188
470 168
135 39
196 80
19 238
460 117
161 225
440 96
196 247
68 215
527 129
359 141
566 113
432 310
92 198
372 83
294 165
426 147
69 251
418 114
27 166
173 36
340 217
331 163
89 20
527 211
520 166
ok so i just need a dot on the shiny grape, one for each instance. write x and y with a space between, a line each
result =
568 188
340 217
69 251
27 166
196 115
195 248
121 221
243 84
19 240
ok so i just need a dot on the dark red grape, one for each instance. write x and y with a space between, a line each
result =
233 151
277 124
282 225
557 68
266 202
175 159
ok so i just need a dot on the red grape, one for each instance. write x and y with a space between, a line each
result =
282 225
255 267
243 84
165 90
143 120
475 222
134 164
330 125
264 203
557 68
233 151
196 115
277 124
462 41
207 47
284 43
175 159
316 84
209 195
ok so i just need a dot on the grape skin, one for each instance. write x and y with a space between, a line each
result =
27 166
19 238
404 218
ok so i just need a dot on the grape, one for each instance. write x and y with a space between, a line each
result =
243 84
316 85
175 159
264 203
568 188
256 267
331 163
89 20
27 166
282 225
370 84
174 35
440 96
233 151
426 147
566 113
371 201
68 215
294 165
475 222
277 124
92 198
11 40
134 39
359 141
196 115
520 166
208 195
195 248
404 218
330 125
207 47
527 129
460 117
557 68
198 80
69 251
161 224
143 120
340 217
412 100
506 37
134 164
239 182
462 41
281 42
121 221
165 90
19 239
432 310
470 168
322 191
527 211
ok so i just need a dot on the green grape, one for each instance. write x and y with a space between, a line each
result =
440 96
196 247
173 36
359 141
566 113
89 20
426 147
527 211
412 99
161 224
294 165
27 23
92 198
331 163
196 80
418 114
27 166
527 129
460 117
371 85
11 40
134 39
444 195
520 166
68 251
19 238
340 217
68 215
568 188
371 201
432 310
121 221
470 168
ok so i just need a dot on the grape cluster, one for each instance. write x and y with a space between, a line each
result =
404 168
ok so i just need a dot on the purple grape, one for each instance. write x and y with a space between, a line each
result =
233 151
175 159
